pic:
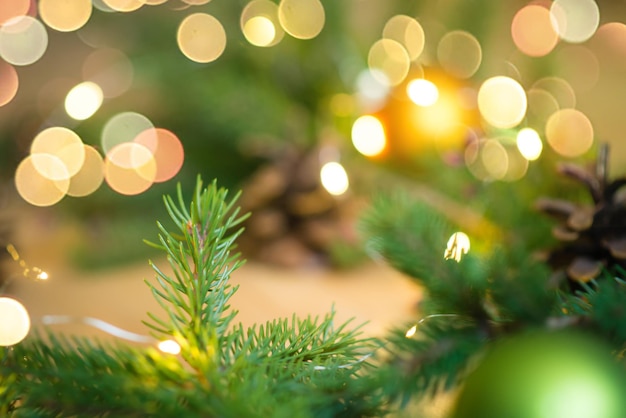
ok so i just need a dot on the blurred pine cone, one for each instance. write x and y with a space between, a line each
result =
593 236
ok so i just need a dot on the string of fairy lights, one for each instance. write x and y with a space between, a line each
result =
15 323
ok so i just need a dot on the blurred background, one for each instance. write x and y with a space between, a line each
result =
311 108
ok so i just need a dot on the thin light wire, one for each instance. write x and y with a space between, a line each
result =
98 324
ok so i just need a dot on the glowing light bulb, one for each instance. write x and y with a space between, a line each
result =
169 347
411 332
422 92
368 135
529 144
83 100
14 322
458 244
334 178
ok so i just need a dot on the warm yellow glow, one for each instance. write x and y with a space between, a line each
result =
334 178
533 32
458 244
459 53
422 92
575 20
529 143
65 15
389 58
37 189
441 121
9 83
130 168
42 275
62 143
255 22
90 176
23 40
502 102
408 32
302 19
411 331
259 31
83 100
15 322
569 132
368 135
169 347
124 5
201 38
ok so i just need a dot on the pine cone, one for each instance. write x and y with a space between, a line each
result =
593 237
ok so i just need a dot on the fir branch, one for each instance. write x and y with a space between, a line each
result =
196 298
412 237
302 367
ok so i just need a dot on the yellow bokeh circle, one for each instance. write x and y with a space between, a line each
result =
201 38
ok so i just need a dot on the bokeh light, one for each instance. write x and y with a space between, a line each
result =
492 159
533 32
10 9
389 58
9 83
259 31
124 5
62 143
169 347
459 53
334 178
130 168
422 92
23 40
372 89
302 19
15 323
65 15
83 100
37 189
575 20
458 245
529 143
166 149
368 136
502 102
110 69
609 43
196 2
541 105
259 23
569 132
579 65
124 127
90 176
201 38
408 32
560 89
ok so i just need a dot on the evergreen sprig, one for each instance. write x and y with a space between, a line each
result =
466 304
284 368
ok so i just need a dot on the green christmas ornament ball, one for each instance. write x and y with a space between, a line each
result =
545 375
